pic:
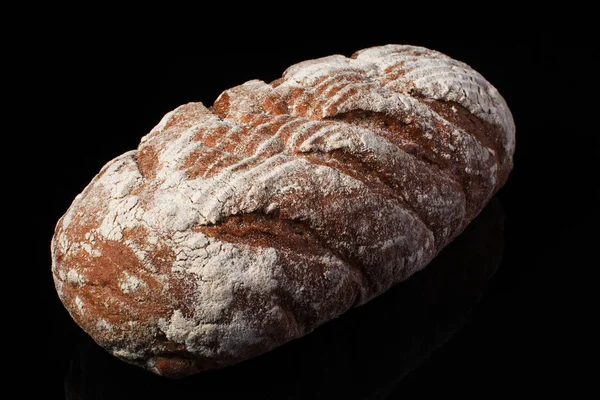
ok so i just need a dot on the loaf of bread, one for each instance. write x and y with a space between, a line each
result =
234 229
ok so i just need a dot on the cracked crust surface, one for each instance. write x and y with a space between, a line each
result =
234 229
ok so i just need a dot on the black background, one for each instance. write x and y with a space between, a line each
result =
522 334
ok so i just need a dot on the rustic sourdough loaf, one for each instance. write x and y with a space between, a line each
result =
234 229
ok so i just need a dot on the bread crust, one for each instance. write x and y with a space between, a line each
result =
234 229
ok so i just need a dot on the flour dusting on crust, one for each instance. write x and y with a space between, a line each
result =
233 229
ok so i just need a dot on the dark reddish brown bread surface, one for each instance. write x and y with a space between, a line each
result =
232 230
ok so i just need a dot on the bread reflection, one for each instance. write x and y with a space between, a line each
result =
362 354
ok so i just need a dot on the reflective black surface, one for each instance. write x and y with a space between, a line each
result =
498 313
364 354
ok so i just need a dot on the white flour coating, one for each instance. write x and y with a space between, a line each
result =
308 72
131 283
75 277
440 77
431 73
395 98
104 325
123 210
279 166
206 259
79 304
